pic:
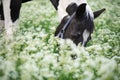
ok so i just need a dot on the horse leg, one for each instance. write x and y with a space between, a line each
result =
8 21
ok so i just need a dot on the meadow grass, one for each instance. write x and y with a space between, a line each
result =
35 54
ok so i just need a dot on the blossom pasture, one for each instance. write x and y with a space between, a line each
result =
35 54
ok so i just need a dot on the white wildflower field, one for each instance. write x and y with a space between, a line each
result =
35 54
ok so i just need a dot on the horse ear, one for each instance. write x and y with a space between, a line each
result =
71 8
81 10
97 13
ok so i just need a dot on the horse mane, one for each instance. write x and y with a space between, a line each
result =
89 19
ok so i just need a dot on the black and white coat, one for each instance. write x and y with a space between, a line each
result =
65 11
61 8
9 15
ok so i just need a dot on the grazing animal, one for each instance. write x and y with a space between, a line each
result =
9 14
76 20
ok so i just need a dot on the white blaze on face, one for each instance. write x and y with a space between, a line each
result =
86 34
63 5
